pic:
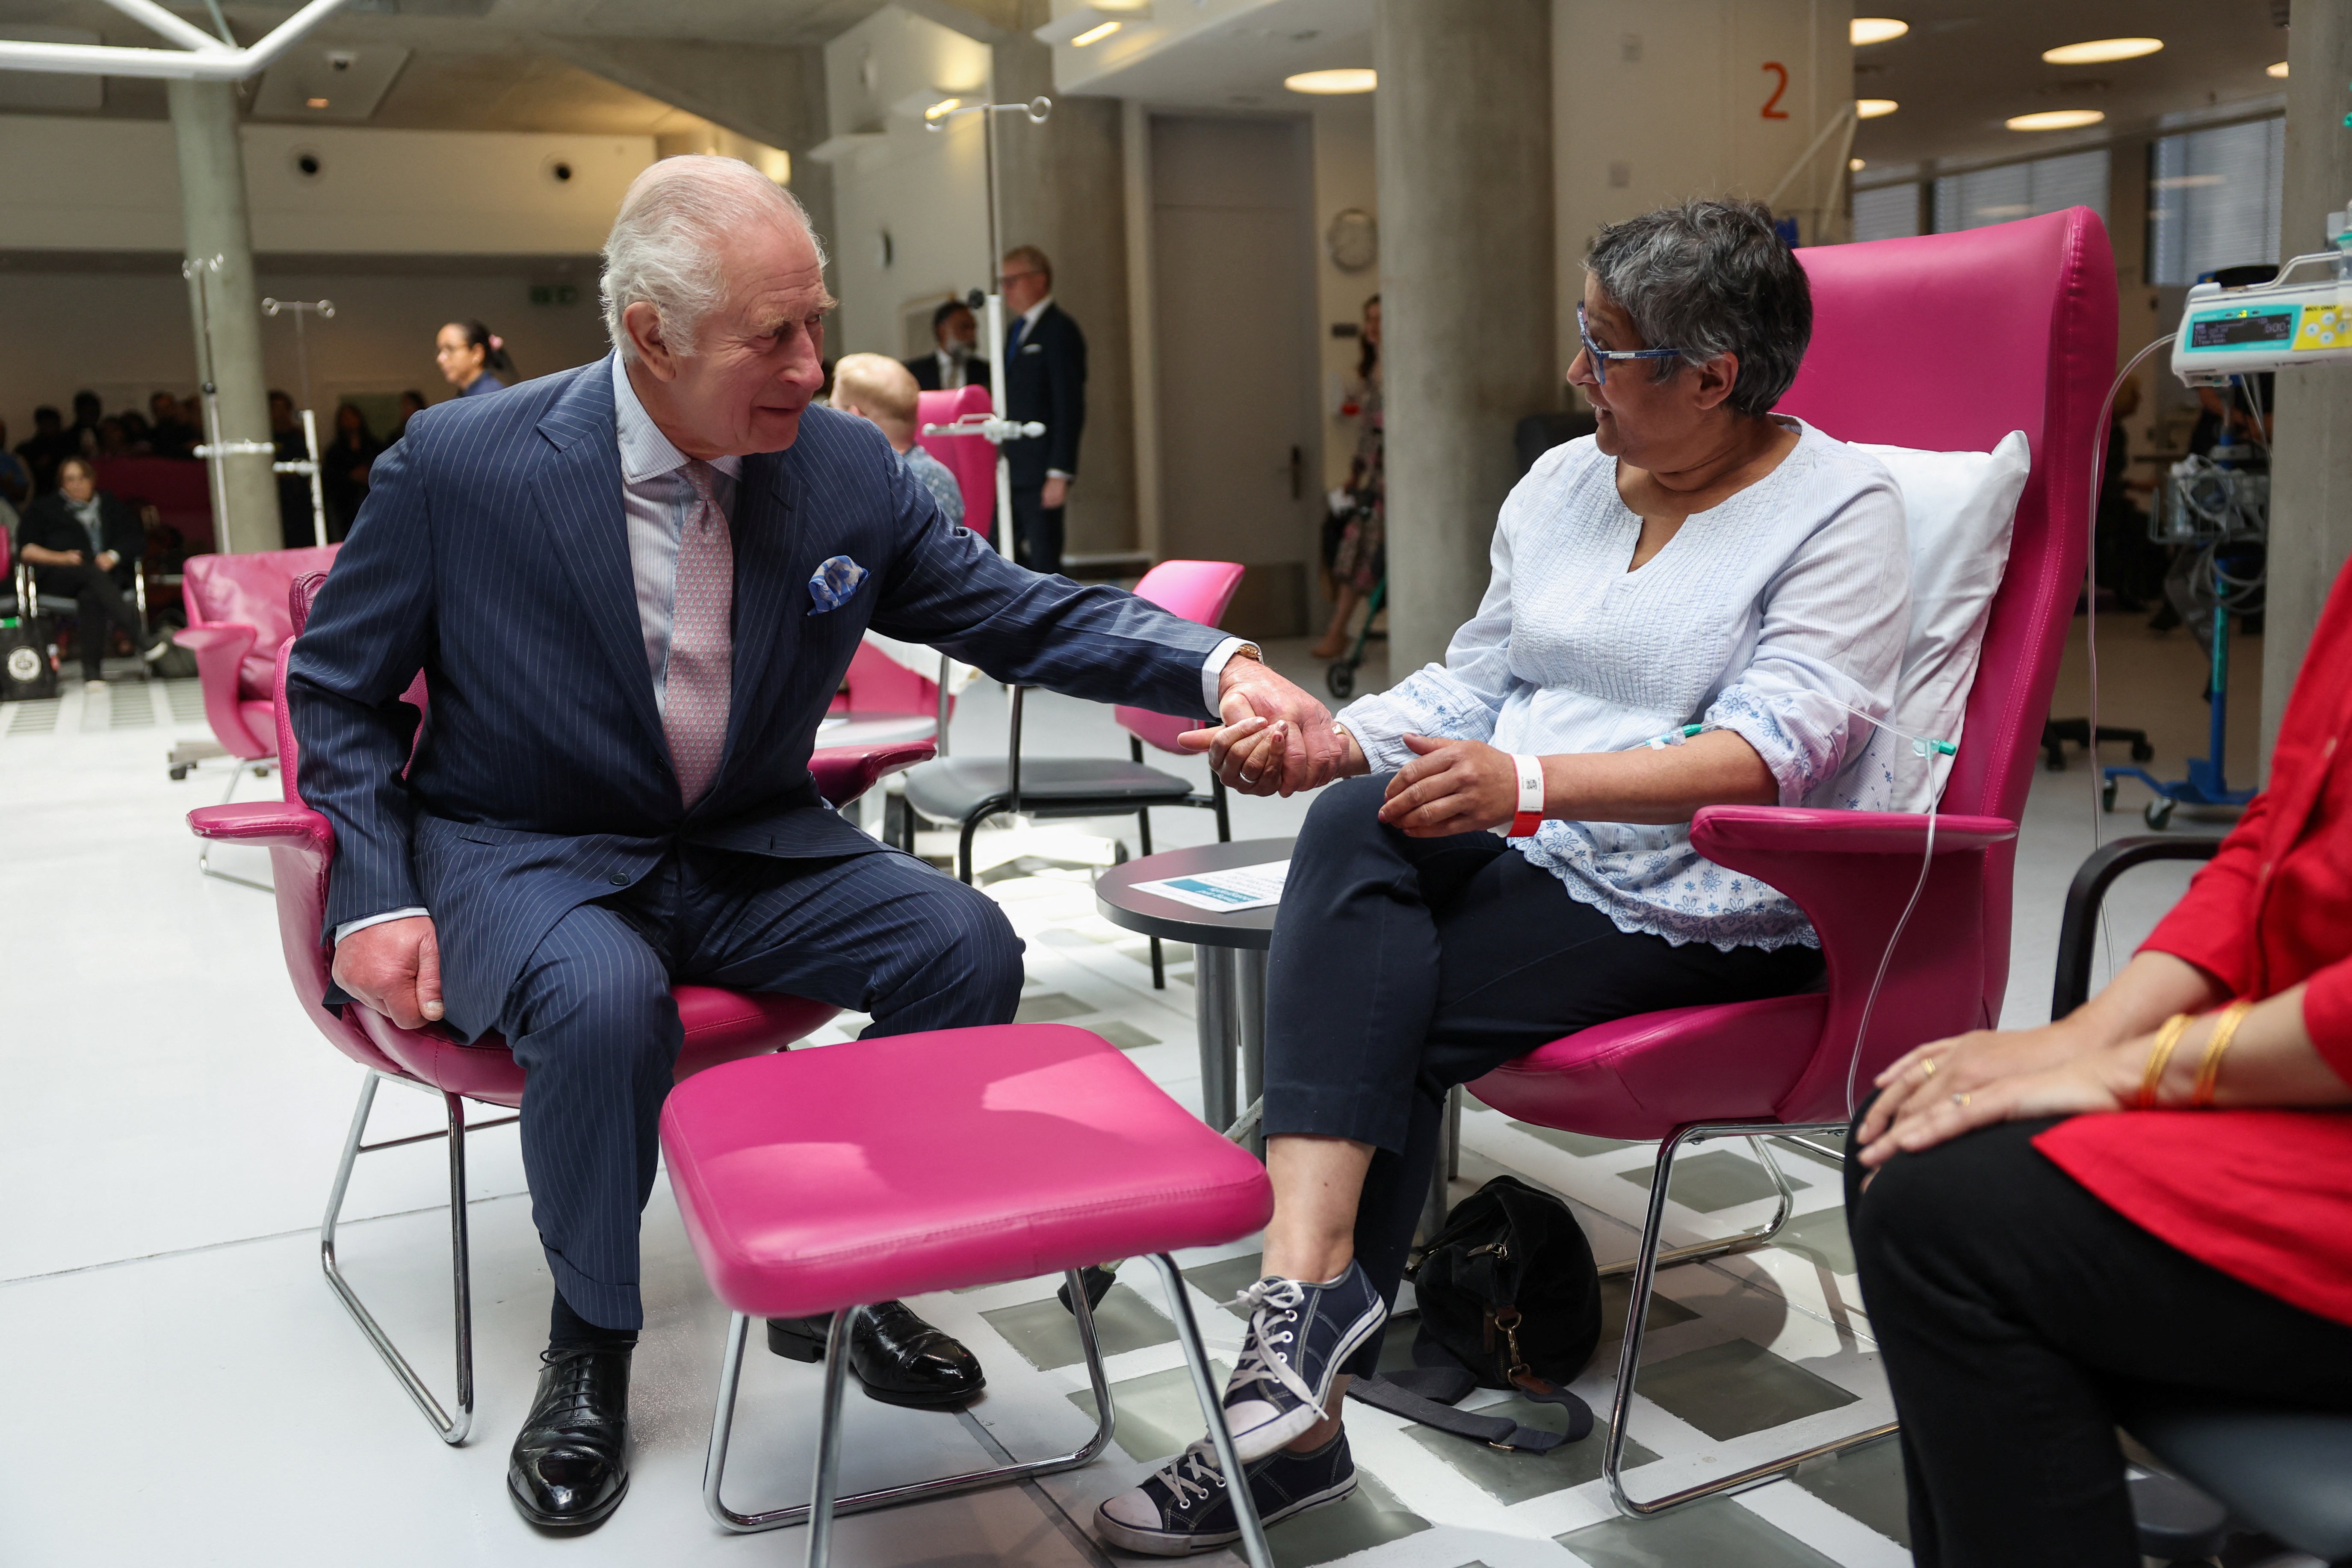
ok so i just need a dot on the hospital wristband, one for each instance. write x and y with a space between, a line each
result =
1531 794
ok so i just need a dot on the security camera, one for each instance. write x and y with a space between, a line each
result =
340 59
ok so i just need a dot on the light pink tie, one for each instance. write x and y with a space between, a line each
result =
701 641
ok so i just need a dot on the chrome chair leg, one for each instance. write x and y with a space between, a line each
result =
1196 1360
824 1504
205 854
828 1442
1646 1261
453 1429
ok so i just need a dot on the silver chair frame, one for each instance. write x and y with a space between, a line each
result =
453 1429
1644 1267
259 768
825 1504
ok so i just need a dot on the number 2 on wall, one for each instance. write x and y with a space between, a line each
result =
1772 110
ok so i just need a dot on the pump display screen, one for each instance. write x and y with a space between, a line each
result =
2237 329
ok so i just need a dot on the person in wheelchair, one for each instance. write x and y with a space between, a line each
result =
2151 1197
1508 861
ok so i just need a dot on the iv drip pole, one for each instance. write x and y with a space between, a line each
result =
302 308
999 428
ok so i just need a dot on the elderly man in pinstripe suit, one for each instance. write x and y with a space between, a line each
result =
633 589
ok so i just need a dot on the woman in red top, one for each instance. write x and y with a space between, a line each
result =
2156 1189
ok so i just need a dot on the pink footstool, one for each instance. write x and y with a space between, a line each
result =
826 1180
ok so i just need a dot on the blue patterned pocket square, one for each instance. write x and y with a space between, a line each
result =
834 583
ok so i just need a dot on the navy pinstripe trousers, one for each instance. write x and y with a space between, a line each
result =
592 1022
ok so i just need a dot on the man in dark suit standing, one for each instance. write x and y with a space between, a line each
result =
633 589
954 362
1045 379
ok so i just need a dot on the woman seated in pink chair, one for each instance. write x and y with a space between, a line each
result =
1516 864
2151 1195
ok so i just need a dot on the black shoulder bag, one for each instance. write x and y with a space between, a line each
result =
1509 1297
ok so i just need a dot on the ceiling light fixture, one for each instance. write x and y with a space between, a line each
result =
314 103
2278 70
2055 120
1347 78
1875 108
1875 30
1095 34
1855 165
943 108
2099 51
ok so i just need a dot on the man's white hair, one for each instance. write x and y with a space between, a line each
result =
664 248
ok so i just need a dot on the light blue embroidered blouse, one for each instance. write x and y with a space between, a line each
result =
1768 616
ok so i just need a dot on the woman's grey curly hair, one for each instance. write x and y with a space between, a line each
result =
1711 278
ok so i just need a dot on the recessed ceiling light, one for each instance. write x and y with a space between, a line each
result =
2278 70
1875 108
314 103
2055 120
943 108
1095 35
2098 51
1347 78
1856 163
1875 30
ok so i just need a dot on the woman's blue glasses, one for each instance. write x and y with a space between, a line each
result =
1600 356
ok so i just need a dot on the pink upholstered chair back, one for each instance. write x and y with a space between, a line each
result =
250 590
877 683
1949 342
1198 591
970 459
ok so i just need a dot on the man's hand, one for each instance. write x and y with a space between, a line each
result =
1275 738
1056 491
393 969
1451 786
106 561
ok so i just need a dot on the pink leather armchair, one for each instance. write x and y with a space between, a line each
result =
720 1025
238 615
969 457
1946 342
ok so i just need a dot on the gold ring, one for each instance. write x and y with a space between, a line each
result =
1961 1100
1927 1068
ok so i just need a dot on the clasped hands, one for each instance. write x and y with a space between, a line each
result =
1946 1088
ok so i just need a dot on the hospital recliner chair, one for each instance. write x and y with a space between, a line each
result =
2237 1466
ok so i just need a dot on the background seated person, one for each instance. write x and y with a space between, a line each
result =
2052 1220
1695 560
86 544
883 392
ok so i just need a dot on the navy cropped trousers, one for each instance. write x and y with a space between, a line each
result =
591 1021
1402 967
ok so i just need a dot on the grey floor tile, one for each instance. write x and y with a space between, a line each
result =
1737 1388
1226 1279
1718 1534
1045 1333
1048 1007
1170 952
1123 1035
1867 1485
1510 1476
1575 1143
1822 1237
1615 1291
1157 1414
1717 1180
1370 1516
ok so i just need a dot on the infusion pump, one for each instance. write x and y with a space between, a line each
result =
2301 317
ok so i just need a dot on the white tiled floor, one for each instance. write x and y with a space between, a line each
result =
180 1387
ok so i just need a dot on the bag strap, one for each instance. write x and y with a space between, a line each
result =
1427 1394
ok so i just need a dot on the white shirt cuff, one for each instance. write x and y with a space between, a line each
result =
1059 474
1212 668
347 927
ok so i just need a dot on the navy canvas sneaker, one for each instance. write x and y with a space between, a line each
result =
1299 1333
1184 1508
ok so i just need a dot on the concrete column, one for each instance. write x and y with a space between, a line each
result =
1462 135
2311 476
1063 190
213 209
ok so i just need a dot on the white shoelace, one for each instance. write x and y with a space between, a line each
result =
1258 1363
1200 1461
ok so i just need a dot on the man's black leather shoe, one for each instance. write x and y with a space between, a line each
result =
570 1468
899 1358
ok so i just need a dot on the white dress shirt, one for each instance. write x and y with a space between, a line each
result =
952 370
1769 615
657 498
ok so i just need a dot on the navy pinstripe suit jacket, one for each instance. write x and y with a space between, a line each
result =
491 555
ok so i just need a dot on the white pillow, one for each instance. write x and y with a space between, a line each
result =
1960 507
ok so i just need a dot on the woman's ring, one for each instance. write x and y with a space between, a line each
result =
1927 1068
1961 1100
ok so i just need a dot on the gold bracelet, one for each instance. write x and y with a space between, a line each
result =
2158 1055
2225 1030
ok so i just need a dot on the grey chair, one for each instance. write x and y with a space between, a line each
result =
2240 1467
